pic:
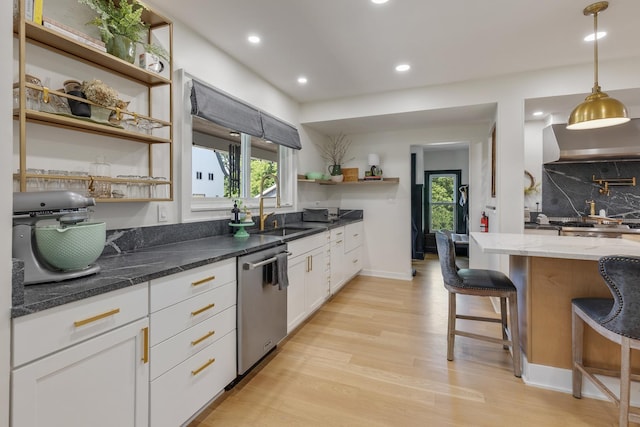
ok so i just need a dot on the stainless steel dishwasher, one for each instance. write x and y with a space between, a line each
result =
262 307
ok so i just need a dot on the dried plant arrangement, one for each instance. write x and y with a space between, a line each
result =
98 92
335 148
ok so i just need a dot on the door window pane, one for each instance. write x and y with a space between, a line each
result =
442 201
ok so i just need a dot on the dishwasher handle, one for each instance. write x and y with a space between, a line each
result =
250 266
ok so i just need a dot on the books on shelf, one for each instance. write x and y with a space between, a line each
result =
37 11
32 10
73 33
373 178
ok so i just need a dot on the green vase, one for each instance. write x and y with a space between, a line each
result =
122 47
335 170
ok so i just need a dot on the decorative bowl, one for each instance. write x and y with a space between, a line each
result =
314 175
74 247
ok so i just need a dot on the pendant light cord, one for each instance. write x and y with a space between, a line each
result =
596 85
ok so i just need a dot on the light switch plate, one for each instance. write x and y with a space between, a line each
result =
162 213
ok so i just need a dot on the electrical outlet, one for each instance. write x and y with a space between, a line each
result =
162 213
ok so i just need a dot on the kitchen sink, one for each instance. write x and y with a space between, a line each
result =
284 231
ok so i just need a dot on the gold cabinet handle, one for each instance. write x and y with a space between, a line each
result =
202 310
202 338
354 261
203 367
97 317
203 281
338 242
145 343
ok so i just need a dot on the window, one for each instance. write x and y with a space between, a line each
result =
442 201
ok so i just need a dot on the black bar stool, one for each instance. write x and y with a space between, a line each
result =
618 320
484 283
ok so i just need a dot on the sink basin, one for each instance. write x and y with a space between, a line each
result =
284 231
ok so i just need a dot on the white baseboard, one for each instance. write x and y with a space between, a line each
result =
559 379
386 274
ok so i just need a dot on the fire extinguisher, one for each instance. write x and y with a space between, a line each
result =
484 223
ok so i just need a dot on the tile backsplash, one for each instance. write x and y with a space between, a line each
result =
566 187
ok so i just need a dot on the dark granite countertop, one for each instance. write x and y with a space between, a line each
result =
128 268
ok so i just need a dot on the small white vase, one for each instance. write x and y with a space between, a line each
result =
337 178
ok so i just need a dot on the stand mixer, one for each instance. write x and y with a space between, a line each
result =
68 208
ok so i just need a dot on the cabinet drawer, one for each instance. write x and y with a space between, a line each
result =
51 330
306 244
353 236
178 287
353 262
185 389
178 317
337 234
174 350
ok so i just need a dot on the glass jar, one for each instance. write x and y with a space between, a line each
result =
35 183
78 185
57 182
100 188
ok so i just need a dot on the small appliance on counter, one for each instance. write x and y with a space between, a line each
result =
542 219
320 214
52 253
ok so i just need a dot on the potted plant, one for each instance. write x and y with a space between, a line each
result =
334 150
121 27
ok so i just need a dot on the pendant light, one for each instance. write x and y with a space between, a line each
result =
598 109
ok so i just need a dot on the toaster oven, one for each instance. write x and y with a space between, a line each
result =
320 214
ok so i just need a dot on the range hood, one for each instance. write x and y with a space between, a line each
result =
610 143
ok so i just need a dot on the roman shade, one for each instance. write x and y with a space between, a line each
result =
229 112
224 110
279 132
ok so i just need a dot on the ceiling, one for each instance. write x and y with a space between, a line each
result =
350 47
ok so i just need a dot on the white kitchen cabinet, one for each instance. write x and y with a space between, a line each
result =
338 273
353 236
308 287
98 375
193 340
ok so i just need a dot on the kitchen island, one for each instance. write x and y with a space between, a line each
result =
549 271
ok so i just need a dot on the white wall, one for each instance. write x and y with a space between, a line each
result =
6 46
533 160
439 159
387 209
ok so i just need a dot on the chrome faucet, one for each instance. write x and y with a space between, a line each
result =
263 217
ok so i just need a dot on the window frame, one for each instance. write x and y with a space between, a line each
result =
201 208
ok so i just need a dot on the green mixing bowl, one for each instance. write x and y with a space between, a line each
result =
73 247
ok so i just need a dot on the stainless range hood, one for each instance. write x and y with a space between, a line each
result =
611 143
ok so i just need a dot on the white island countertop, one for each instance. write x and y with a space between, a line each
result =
570 247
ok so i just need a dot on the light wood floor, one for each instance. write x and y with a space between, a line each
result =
375 355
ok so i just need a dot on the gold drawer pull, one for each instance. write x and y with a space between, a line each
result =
203 281
145 342
203 367
354 261
199 340
83 322
338 242
202 310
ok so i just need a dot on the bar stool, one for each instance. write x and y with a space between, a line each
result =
484 283
618 320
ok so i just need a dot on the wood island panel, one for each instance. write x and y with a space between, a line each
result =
546 287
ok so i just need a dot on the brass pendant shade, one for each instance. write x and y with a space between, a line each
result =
598 109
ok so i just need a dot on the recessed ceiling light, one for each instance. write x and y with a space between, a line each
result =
302 80
253 39
538 113
590 37
379 1
403 67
